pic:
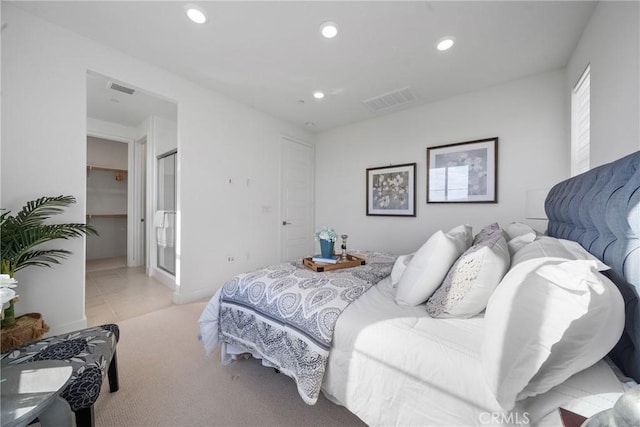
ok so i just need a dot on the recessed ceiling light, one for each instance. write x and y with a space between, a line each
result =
445 43
318 95
329 29
309 124
196 14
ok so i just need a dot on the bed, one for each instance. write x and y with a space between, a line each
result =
553 321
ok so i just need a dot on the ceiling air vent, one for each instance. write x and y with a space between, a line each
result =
390 100
120 88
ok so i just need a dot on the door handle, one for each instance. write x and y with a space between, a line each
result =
286 223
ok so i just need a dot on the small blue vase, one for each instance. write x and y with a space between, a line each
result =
326 248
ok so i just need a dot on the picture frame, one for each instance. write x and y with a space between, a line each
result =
465 172
391 190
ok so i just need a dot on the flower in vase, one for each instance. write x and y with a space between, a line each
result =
326 233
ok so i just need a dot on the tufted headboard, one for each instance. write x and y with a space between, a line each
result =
600 209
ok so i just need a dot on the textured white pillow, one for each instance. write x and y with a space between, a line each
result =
399 267
470 282
546 321
431 263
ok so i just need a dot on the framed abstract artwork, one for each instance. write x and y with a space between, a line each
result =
391 190
465 172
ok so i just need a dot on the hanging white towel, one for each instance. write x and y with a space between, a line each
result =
165 234
169 226
161 236
158 219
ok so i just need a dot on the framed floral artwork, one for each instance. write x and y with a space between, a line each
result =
391 190
465 172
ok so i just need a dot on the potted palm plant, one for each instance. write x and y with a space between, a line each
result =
22 234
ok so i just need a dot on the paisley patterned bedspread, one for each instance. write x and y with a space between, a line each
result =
287 313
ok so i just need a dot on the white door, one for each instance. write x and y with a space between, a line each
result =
297 200
136 211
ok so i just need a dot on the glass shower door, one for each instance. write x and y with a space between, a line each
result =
165 220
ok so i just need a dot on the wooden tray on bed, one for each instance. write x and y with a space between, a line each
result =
351 261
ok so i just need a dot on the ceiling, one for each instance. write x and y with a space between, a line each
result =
114 106
270 55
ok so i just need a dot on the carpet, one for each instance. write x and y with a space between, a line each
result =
167 380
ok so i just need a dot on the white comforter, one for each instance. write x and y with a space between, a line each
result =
395 365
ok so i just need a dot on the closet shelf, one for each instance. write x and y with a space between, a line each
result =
90 216
120 173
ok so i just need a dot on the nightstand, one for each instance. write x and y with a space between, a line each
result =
571 419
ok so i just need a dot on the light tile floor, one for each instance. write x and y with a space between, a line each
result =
106 264
116 294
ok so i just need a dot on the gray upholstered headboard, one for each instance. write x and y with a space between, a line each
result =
600 209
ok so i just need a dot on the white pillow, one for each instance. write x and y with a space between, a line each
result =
471 281
515 229
546 321
552 248
431 263
521 241
399 267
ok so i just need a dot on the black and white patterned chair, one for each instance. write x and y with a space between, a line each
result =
92 354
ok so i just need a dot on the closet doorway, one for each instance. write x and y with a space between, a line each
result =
107 203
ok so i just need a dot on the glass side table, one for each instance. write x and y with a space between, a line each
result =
32 390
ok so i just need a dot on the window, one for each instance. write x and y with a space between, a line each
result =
581 124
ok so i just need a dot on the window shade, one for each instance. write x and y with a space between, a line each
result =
581 124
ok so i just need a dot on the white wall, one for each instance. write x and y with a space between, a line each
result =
611 44
528 116
44 152
111 131
106 153
165 135
220 218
